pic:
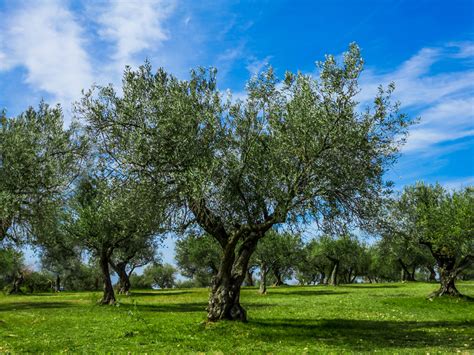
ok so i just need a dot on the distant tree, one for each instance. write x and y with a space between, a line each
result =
109 214
441 220
138 251
408 253
161 275
198 257
277 253
11 269
294 151
312 266
344 253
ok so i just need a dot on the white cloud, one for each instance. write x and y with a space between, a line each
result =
444 100
458 184
45 38
255 65
133 26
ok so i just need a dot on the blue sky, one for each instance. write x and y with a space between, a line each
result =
53 49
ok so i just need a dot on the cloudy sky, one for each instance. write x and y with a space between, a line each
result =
54 49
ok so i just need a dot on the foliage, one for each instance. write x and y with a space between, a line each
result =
38 161
294 151
441 220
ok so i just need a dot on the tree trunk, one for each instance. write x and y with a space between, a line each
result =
224 298
124 280
323 278
406 275
333 279
17 282
277 274
249 278
447 275
57 286
263 279
109 295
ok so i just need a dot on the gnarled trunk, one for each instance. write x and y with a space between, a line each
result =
224 299
447 275
109 296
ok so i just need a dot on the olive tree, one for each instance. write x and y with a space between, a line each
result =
38 161
293 151
441 220
107 216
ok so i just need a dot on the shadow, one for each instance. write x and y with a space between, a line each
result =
168 307
19 306
366 334
158 293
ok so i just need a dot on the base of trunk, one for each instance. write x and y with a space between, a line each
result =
446 290
107 300
224 304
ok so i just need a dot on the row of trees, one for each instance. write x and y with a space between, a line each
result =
178 156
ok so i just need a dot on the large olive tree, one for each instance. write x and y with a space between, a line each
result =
293 151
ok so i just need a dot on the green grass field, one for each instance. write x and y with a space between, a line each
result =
381 317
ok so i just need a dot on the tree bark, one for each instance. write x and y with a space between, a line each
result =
263 279
109 296
335 269
224 298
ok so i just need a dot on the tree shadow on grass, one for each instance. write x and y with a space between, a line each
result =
159 293
366 335
167 307
19 306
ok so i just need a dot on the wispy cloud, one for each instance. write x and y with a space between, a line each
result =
133 26
444 101
44 38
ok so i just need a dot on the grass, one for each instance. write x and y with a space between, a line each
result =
394 318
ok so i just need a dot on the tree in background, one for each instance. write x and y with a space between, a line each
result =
108 214
139 251
160 275
293 152
11 269
278 254
441 220
198 257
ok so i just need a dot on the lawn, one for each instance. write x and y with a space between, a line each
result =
380 317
